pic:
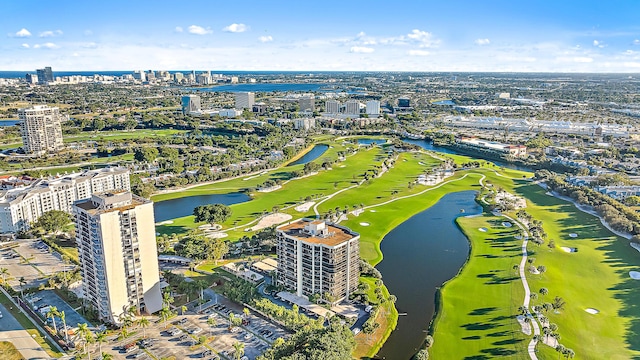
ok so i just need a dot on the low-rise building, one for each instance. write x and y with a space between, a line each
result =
493 147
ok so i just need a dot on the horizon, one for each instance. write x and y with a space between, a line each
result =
415 36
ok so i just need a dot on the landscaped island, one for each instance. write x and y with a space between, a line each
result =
372 189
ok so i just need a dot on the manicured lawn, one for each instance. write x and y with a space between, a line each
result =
122 134
476 318
596 276
9 352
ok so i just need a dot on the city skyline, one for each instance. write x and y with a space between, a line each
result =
368 36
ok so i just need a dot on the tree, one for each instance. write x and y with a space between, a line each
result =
4 272
143 322
146 154
212 213
544 291
101 338
183 308
53 221
422 354
63 317
52 313
212 323
165 313
558 303
239 350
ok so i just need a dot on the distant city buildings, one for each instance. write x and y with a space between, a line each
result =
140 75
115 235
191 103
245 100
332 106
45 75
373 108
316 257
307 103
352 107
23 202
31 79
497 148
304 123
404 102
40 129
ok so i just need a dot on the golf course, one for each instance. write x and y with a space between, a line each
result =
372 189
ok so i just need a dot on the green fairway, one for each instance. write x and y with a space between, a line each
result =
122 135
485 327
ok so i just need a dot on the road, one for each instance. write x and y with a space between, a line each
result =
12 331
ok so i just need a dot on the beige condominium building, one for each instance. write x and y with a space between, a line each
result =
115 235
41 129
316 257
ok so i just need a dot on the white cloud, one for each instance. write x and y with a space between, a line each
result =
575 59
265 39
179 29
425 39
50 33
199 30
48 45
22 33
598 44
236 28
418 52
361 34
361 49
26 46
632 64
636 42
482 42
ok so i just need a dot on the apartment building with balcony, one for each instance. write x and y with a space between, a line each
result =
115 235
317 257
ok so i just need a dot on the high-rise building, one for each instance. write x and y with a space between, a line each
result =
23 205
245 100
315 257
31 78
116 241
404 102
373 107
352 107
332 106
307 103
41 129
140 75
178 77
190 103
45 75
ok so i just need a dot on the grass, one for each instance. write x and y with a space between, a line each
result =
9 352
485 327
597 276
26 323
368 345
122 134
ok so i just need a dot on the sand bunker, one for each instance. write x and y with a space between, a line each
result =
342 166
270 220
364 224
305 207
507 224
482 229
634 275
372 210
591 311
573 235
269 189
568 249
217 235
166 222
526 327
357 212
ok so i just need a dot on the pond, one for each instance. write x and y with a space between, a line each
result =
311 155
8 122
371 141
175 208
419 256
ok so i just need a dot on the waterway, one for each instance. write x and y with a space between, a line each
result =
311 155
419 256
428 145
8 122
175 208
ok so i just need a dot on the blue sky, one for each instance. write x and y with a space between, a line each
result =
493 35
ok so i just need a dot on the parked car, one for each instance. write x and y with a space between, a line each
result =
356 331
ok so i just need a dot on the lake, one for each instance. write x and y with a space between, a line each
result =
175 208
311 154
419 256
8 122
371 141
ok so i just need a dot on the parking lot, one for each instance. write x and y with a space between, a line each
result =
178 338
41 263
49 298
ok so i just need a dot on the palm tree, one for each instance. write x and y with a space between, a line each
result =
64 324
52 313
212 322
164 314
143 322
107 356
183 308
101 337
246 312
167 298
239 350
543 291
4 272
22 282
83 329
89 339
570 353
560 349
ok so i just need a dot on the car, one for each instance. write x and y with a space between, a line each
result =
368 308
207 311
214 315
206 353
356 331
130 349
196 330
182 321
0 314
248 336
174 331
214 357
139 355
244 358
183 337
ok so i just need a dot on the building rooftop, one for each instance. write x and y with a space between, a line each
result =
109 201
317 232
